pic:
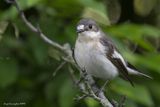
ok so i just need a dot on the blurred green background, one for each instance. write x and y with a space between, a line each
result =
27 63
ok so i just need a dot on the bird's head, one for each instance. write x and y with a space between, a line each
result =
88 27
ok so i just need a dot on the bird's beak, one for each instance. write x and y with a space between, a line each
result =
80 28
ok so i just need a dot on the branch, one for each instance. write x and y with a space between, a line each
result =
33 28
88 87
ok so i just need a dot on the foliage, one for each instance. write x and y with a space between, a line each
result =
27 63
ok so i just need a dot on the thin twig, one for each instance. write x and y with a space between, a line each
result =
104 85
122 102
59 67
78 98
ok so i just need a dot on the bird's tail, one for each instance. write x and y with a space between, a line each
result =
145 75
135 72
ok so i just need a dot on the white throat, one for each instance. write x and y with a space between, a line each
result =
90 34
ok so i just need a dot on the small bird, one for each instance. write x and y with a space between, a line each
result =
96 53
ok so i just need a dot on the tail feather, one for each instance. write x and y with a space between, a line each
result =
135 72
132 70
145 75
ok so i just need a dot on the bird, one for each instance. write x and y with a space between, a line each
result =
96 53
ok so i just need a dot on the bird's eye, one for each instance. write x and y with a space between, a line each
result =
90 26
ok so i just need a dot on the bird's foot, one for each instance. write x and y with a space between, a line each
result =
82 76
80 80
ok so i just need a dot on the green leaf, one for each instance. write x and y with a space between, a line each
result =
136 33
130 104
66 94
28 3
144 7
39 49
154 86
11 13
150 61
54 54
95 10
131 30
138 93
8 72
3 26
53 87
91 102
114 10
66 8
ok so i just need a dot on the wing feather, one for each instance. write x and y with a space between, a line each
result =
117 61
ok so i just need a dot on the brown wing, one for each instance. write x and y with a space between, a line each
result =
116 61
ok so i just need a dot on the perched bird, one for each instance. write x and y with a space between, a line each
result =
96 53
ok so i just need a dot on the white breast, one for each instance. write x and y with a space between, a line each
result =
90 55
